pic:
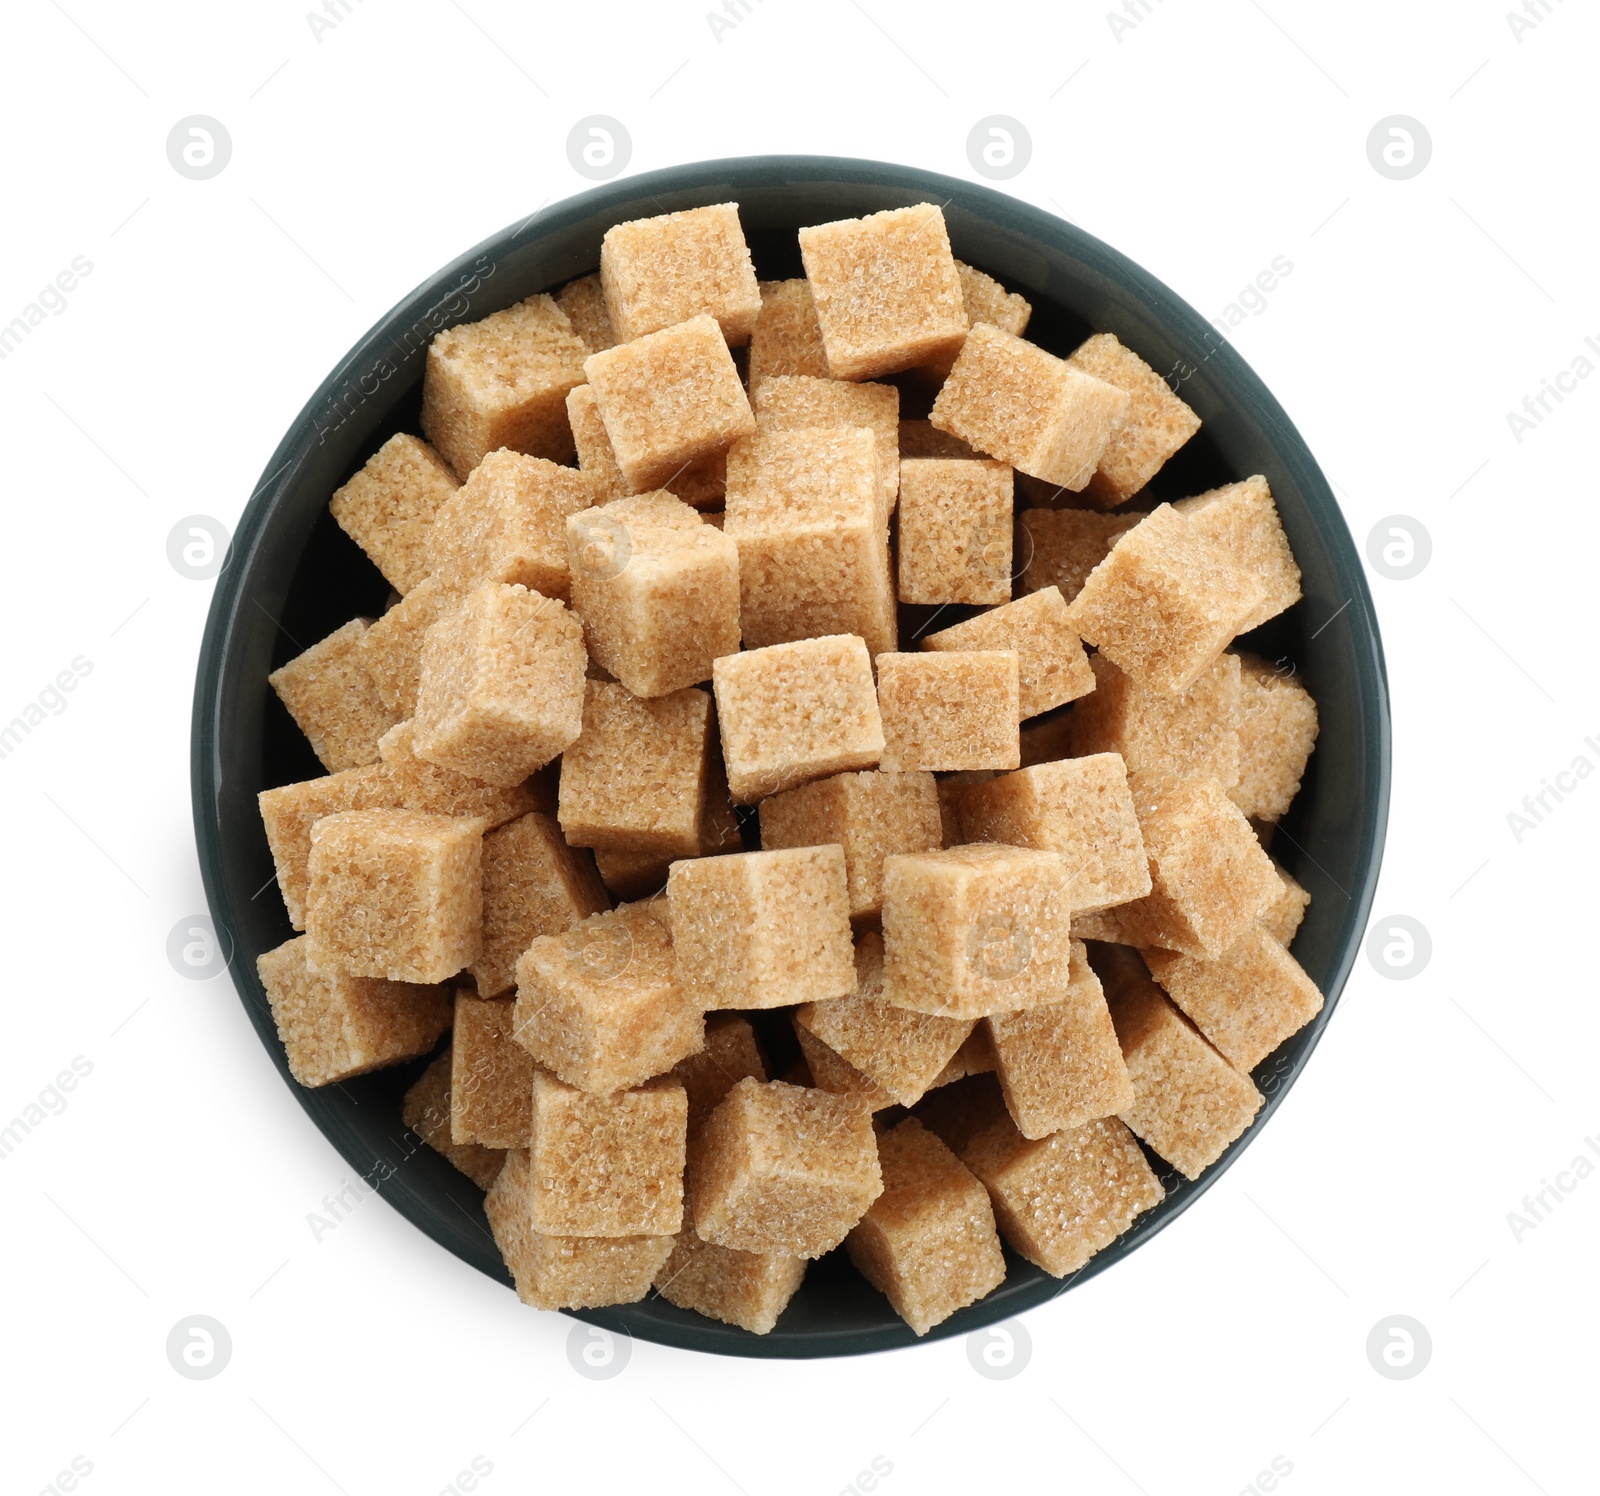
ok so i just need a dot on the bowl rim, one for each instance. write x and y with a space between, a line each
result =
1180 323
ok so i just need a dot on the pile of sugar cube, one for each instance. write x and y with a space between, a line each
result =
1011 931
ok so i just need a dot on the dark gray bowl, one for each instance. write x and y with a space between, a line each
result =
293 576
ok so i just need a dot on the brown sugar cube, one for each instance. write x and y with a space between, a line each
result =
975 1057
1011 400
633 875
1277 731
868 815
955 531
600 1004
699 484
1187 734
886 291
828 1070
491 1076
975 930
897 1052
928 1242
787 339
596 460
951 787
1099 925
1081 808
923 439
1210 880
391 648
762 929
1061 1199
806 513
635 780
1158 421
606 1165
334 1025
1243 519
290 811
658 272
584 302
703 484
426 1111
1165 601
793 712
1283 915
657 589
1247 1001
957 1112
560 1271
533 884
508 523
731 1053
389 506
333 699
956 710
785 1169
799 403
748 1289
1047 738
1060 547
502 382
394 894
415 784
1188 1102
1059 1065
1052 668
502 685
986 300
669 399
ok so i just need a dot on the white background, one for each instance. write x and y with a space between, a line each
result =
1204 141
